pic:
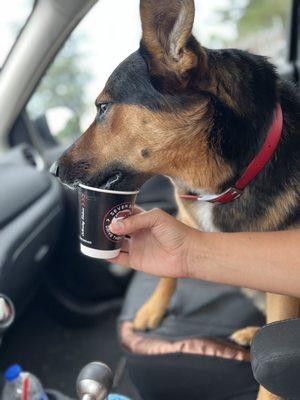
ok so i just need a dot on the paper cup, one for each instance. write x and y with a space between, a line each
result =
97 209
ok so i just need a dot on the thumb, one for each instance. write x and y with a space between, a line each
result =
144 220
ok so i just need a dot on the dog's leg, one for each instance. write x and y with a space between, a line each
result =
152 312
263 394
278 308
244 336
281 307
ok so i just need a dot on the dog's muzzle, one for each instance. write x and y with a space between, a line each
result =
54 169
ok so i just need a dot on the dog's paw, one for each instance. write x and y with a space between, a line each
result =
149 317
264 394
244 337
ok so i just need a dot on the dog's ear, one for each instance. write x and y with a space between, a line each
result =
171 52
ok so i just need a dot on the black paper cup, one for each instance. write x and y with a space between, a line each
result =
97 209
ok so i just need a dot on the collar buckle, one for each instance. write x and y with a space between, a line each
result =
230 194
235 193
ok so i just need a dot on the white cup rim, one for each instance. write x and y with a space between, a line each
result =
101 254
106 190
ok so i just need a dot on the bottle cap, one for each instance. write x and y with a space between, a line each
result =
12 372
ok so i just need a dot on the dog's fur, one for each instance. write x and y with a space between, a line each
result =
197 116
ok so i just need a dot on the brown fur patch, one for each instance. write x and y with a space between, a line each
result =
177 144
153 311
281 307
104 97
277 213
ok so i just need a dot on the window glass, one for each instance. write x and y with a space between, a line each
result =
111 31
11 22
260 26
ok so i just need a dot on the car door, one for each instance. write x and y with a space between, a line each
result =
31 202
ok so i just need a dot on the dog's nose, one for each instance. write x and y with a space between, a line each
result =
54 169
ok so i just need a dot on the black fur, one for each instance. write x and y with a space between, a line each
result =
281 174
241 91
238 132
131 83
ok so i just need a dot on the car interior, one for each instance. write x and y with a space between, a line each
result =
67 310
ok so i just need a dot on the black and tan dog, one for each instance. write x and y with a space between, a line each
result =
198 116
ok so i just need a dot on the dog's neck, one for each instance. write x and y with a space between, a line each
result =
272 200
257 164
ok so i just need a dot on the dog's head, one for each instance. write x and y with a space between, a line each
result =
160 110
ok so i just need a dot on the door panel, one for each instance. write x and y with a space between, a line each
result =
31 215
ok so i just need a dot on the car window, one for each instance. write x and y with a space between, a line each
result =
11 22
105 37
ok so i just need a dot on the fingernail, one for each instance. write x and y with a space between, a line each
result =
117 225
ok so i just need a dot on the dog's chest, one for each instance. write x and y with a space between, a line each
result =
203 214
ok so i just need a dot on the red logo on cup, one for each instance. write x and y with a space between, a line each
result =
120 211
122 214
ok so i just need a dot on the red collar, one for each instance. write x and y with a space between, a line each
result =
253 169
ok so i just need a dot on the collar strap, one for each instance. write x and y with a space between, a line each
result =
253 169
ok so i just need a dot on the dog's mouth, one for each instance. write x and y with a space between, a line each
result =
110 181
101 182
125 179
107 182
114 177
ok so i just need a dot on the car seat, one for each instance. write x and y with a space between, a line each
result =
190 356
275 354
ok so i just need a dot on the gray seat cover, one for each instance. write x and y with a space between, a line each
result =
198 308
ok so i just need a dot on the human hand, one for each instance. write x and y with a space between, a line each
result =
158 243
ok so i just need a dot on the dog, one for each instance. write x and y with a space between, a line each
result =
198 116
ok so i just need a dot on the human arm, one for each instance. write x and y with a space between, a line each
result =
163 246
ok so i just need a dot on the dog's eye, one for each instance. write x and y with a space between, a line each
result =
101 109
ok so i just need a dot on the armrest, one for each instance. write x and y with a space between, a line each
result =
275 358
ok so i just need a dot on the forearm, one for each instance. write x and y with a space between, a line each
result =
265 261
